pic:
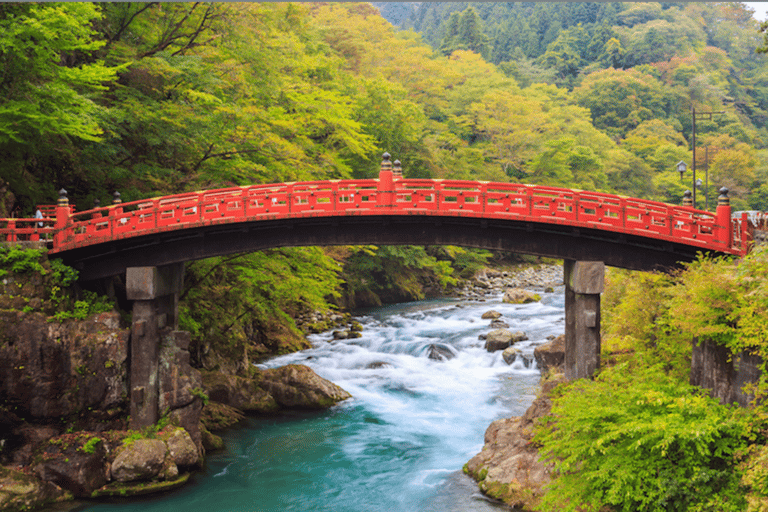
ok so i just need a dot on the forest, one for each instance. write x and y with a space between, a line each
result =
148 99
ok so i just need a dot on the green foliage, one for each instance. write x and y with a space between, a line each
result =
91 444
201 394
18 260
62 274
394 273
235 303
637 321
636 439
91 304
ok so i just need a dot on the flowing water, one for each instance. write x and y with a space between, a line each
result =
399 444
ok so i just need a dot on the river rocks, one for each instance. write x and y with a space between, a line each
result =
182 449
520 296
509 467
500 339
292 386
377 365
155 459
298 386
489 282
239 392
510 354
141 460
439 352
491 315
19 491
551 354
67 463
499 324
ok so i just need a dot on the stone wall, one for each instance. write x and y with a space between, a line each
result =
713 367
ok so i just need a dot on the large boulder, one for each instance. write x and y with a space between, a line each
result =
298 386
181 448
500 339
75 464
143 459
238 392
520 296
509 467
551 354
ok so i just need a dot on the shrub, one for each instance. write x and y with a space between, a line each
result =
637 439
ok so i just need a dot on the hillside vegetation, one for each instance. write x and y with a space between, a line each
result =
160 98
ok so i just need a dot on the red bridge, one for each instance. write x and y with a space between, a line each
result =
148 241
546 221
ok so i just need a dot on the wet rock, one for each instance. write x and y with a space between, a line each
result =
440 353
298 386
550 354
502 338
509 467
141 460
378 364
510 354
498 324
340 335
520 296
491 315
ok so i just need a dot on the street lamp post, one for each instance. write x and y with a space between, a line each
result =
705 115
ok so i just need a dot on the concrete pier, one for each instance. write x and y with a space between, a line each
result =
584 282
155 295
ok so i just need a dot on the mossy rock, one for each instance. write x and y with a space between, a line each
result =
217 416
139 488
211 442
19 491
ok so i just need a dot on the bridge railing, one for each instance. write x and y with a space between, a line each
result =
529 203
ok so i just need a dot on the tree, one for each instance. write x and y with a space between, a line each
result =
621 100
51 88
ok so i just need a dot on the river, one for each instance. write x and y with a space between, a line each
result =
399 444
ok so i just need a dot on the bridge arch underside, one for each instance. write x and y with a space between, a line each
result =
540 239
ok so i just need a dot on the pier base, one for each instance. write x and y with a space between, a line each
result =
584 282
155 295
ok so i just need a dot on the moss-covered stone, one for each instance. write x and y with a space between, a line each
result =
217 416
19 491
139 488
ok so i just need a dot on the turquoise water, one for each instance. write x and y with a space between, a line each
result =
399 444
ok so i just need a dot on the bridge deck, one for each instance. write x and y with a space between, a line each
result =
409 201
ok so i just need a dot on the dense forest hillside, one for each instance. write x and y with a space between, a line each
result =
158 98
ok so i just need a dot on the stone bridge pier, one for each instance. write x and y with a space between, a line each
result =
155 295
584 282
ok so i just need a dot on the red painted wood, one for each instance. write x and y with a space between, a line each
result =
512 201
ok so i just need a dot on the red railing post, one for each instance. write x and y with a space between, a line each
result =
62 219
385 188
723 231
11 230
